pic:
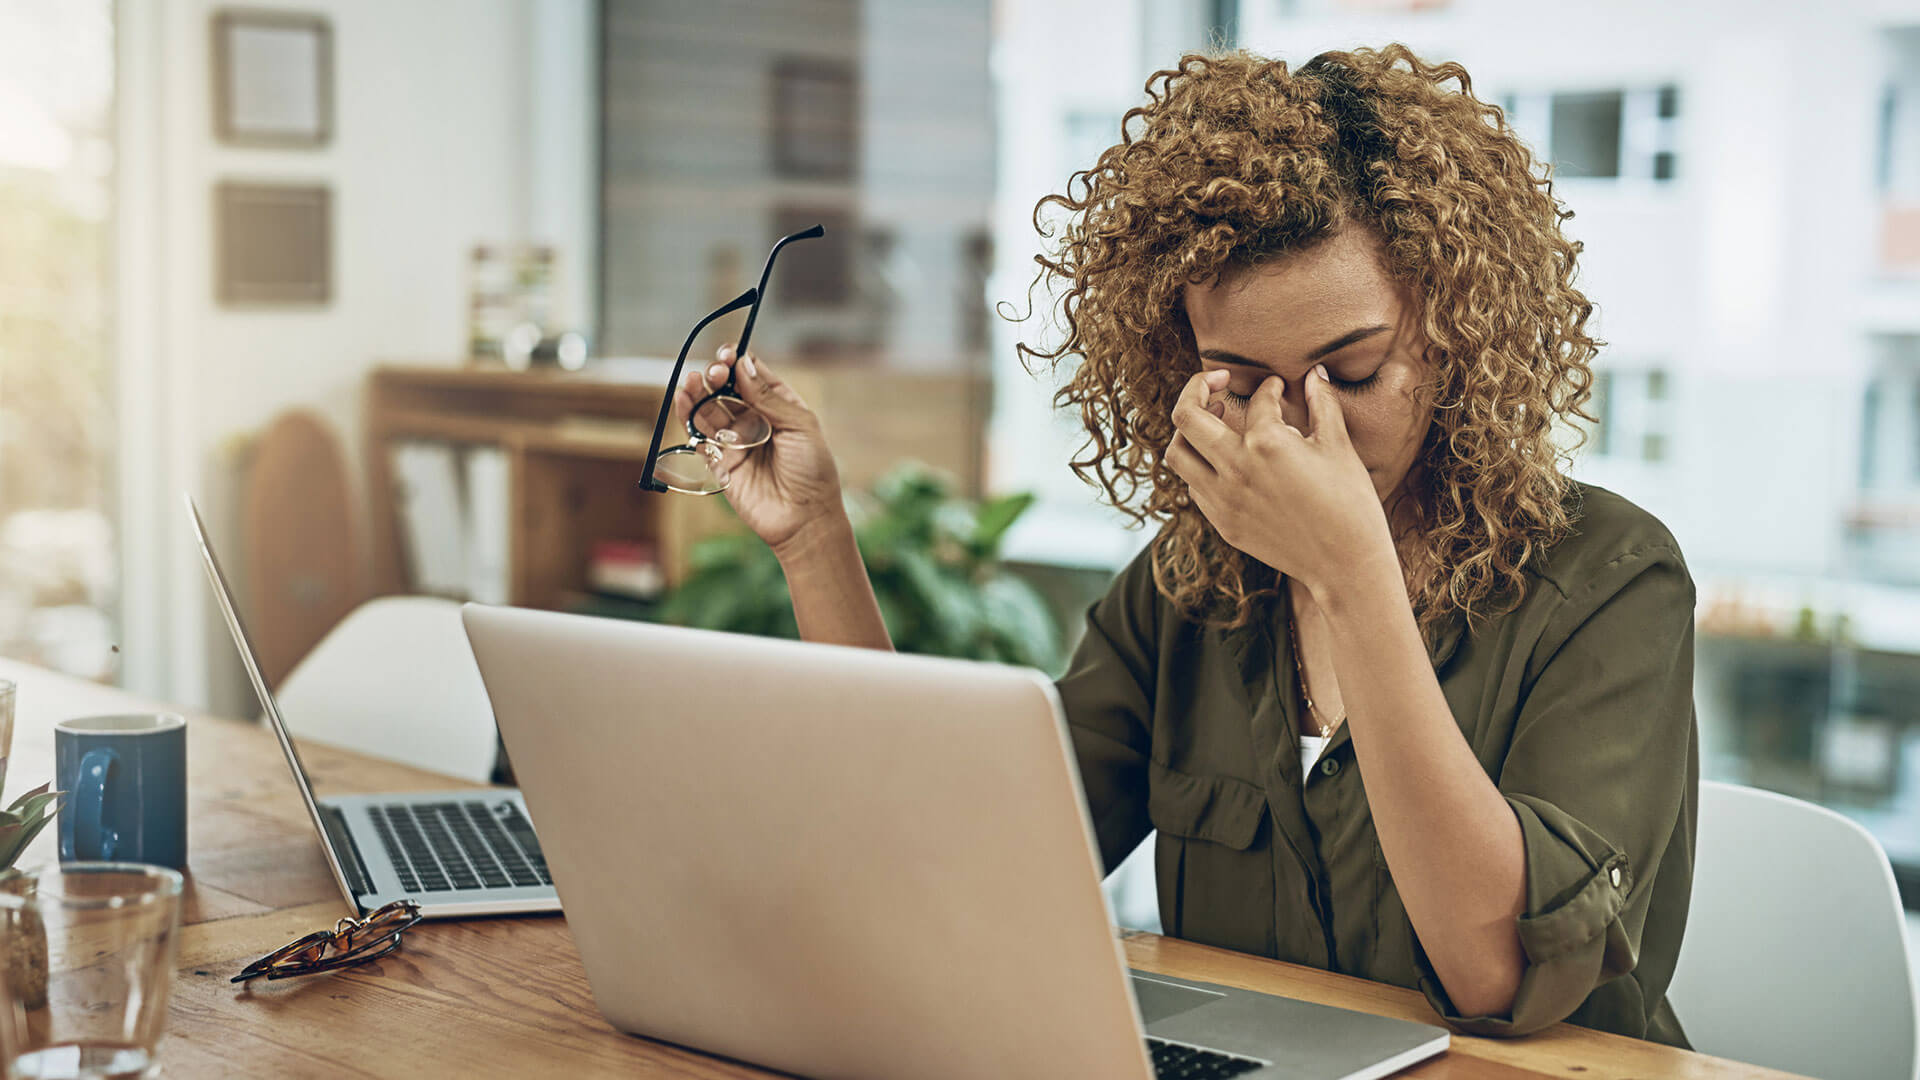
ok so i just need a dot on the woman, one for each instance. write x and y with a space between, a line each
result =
1401 699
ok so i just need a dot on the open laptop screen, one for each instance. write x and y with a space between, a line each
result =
238 629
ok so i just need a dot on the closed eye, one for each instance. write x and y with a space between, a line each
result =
1358 387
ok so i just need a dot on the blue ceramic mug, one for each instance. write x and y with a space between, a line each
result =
126 784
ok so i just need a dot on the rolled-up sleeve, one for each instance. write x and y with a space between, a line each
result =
1107 695
1599 773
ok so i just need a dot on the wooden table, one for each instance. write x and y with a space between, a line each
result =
508 997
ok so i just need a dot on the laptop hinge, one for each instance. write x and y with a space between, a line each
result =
348 852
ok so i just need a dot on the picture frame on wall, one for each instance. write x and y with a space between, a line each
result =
273 244
816 118
272 78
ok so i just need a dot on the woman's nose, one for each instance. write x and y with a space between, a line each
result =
1293 404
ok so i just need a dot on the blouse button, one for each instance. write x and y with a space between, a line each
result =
1329 766
1613 876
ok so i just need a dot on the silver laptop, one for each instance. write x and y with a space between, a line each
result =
848 863
454 853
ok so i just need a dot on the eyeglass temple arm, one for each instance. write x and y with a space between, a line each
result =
766 272
647 482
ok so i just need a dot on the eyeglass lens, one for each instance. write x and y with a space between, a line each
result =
690 469
723 413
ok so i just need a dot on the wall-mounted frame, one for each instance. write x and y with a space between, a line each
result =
816 118
272 78
273 244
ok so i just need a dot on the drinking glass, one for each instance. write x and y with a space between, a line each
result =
86 963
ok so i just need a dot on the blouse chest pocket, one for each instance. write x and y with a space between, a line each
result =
1212 860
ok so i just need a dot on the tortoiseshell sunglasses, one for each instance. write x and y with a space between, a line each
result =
353 941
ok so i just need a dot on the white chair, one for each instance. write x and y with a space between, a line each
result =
1795 955
396 679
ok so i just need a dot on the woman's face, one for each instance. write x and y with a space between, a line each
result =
1332 304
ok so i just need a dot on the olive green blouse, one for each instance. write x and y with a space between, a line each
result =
1579 704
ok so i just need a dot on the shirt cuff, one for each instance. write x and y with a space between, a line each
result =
1571 931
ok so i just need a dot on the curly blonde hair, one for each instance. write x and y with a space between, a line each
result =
1235 160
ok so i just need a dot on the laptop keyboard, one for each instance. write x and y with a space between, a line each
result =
456 846
1178 1061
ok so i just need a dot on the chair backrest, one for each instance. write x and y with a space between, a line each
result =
1795 955
396 679
300 562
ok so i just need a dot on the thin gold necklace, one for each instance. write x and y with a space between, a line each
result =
1313 713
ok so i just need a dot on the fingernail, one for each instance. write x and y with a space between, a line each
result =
728 436
726 352
747 362
1321 370
717 371
1217 379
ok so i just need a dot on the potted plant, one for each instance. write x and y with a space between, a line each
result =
23 954
933 558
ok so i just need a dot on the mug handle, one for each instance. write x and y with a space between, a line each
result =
90 839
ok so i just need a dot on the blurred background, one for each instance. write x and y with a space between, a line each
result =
388 283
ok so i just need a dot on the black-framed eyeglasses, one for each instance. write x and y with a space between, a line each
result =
722 420
352 941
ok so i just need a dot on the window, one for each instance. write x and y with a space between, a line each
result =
1608 134
1897 152
1586 134
1633 409
1897 131
1890 421
1223 23
58 553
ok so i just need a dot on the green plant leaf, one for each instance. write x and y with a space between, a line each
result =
952 605
22 800
30 813
956 520
724 550
899 624
31 807
930 556
10 851
995 518
1022 621
683 604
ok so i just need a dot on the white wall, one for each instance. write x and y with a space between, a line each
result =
433 151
